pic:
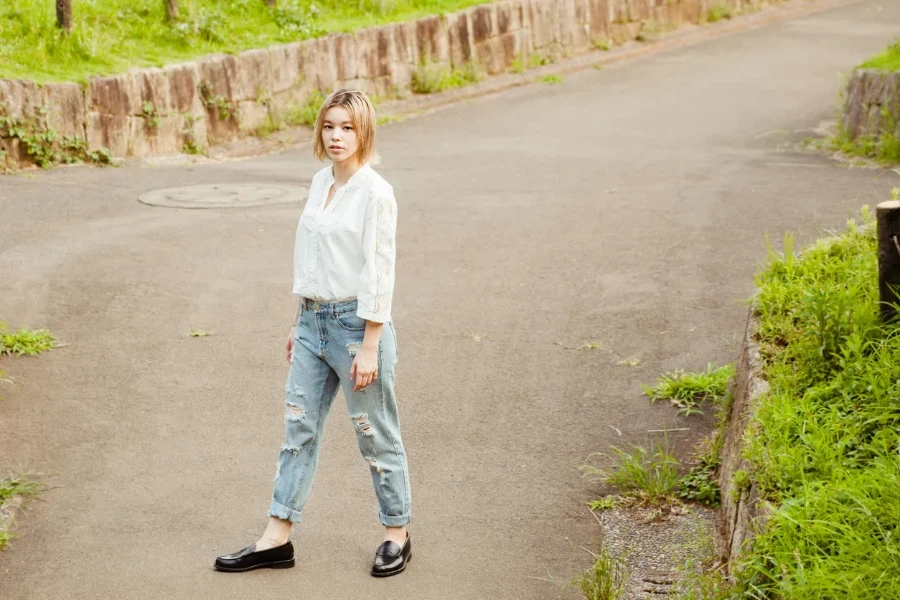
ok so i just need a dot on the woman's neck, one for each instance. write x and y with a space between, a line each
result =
344 170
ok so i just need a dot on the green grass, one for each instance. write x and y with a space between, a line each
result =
24 341
602 504
517 65
605 579
551 79
14 489
688 390
888 61
650 477
718 13
824 441
653 477
883 148
601 44
701 483
431 79
111 36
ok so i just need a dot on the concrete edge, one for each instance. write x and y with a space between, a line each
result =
743 513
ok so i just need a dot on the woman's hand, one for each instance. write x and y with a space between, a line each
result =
290 343
365 368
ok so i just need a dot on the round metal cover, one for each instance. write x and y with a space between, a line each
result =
225 195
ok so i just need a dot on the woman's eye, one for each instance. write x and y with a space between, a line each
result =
348 128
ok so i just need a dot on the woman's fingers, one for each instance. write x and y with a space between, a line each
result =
364 379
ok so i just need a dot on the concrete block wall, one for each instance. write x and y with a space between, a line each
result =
872 105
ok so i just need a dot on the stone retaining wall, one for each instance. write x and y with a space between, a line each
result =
218 98
743 514
872 106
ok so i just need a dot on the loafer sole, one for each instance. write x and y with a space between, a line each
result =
395 571
281 564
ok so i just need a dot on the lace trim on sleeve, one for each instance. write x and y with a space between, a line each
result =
385 232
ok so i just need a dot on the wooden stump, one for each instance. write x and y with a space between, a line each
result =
888 217
64 15
171 9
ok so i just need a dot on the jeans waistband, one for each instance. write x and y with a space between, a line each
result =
331 307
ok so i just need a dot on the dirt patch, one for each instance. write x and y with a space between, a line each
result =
659 546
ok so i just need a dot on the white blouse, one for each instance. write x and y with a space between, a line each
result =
347 250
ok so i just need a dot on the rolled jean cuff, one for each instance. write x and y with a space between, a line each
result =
280 511
394 521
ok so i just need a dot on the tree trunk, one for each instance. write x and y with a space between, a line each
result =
64 15
272 3
171 9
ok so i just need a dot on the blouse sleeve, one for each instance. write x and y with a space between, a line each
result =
376 288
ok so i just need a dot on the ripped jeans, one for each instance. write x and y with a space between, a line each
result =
328 337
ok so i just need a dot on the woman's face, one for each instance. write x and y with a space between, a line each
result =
339 135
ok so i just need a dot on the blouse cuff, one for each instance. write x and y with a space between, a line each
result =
378 317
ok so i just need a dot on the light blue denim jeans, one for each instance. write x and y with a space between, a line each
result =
328 338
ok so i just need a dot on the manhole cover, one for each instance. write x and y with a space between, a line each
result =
225 195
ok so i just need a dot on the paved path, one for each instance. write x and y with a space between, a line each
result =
627 205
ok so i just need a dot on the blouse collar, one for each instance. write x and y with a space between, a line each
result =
354 178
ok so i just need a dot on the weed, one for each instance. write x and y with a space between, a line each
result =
741 481
601 44
430 78
477 335
605 579
14 490
688 390
718 12
517 65
223 108
24 341
45 145
306 113
551 79
536 60
701 484
387 119
651 31
592 345
151 115
637 473
191 145
4 380
603 504
194 333
630 362
698 584
883 147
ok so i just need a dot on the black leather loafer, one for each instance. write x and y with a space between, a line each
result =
391 559
281 557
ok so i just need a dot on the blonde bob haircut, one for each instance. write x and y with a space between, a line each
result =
362 115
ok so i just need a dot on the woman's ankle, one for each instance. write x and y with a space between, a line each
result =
277 533
395 534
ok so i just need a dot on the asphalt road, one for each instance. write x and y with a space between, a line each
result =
627 205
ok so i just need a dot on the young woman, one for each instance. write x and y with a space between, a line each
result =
343 336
